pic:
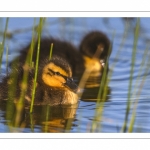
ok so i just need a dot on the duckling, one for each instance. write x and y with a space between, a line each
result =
54 84
95 48
92 52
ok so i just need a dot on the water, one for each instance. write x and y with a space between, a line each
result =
81 118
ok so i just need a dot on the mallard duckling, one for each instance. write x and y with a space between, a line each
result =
92 52
54 84
95 49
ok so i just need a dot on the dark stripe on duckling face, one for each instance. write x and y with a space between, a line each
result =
69 81
54 76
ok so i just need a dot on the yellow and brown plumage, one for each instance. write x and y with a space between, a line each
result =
54 84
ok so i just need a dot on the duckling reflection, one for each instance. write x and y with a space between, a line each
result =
49 118
60 118
54 83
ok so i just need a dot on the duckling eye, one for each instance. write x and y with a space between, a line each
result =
57 73
54 73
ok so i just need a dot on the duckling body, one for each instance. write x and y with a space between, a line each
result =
95 48
54 84
60 48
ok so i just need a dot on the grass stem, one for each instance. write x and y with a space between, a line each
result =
3 42
51 49
37 63
136 35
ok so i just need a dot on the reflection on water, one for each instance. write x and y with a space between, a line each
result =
48 118
81 118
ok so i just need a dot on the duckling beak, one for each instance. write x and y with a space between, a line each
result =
71 85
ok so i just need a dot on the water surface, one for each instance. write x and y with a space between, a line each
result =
81 118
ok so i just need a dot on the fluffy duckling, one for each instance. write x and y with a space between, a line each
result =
92 52
54 83
95 49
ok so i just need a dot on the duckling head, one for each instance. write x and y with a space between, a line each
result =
56 73
95 48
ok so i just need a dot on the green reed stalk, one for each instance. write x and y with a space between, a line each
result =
47 118
102 93
102 84
69 125
31 122
124 128
26 69
37 63
34 35
51 50
20 103
48 107
24 83
12 89
140 70
3 42
7 60
120 47
130 129
103 90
